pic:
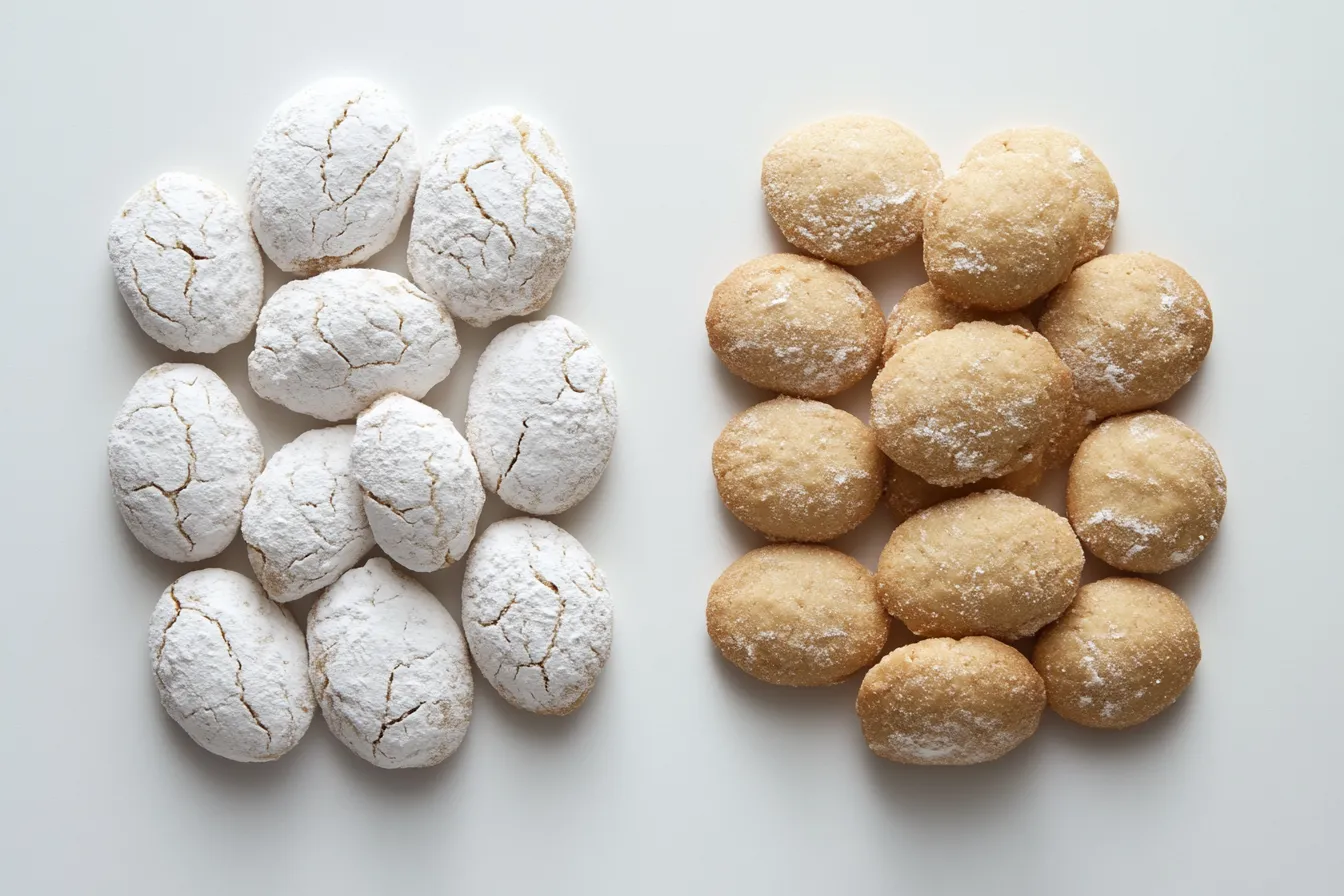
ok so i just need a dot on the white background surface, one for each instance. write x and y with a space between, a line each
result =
1219 123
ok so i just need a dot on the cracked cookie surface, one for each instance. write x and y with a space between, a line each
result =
422 490
186 264
493 221
537 615
330 345
332 176
541 416
182 457
304 522
389 668
231 666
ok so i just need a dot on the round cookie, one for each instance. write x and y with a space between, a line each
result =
1075 425
1096 190
992 563
797 614
1003 231
922 311
795 325
949 702
1133 328
1146 493
850 189
1123 652
977 401
906 494
798 470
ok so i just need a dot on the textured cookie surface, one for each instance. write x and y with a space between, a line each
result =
850 189
905 494
422 490
1146 492
332 176
992 563
1132 328
231 666
304 522
795 325
537 615
541 415
330 345
798 470
948 702
1003 231
977 401
797 614
494 218
389 668
186 264
182 457
1123 652
922 311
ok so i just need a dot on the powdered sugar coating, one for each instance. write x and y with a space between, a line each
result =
332 176
541 416
328 346
390 669
186 263
231 666
304 522
182 457
494 218
947 702
537 615
422 490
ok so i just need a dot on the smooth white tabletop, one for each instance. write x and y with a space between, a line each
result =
1221 127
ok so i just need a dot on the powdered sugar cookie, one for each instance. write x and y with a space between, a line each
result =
537 615
230 666
389 667
905 494
494 218
795 325
332 176
850 189
186 264
922 311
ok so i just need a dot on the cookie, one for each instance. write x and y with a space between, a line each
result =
922 311
905 494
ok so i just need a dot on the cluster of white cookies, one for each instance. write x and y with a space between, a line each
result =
971 404
492 222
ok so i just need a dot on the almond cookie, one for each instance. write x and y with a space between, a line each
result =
1096 190
905 494
992 563
1003 231
798 470
977 401
1123 652
797 614
850 189
795 325
922 311
949 702
1146 492
1133 328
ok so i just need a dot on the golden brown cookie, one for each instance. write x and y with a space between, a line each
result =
1146 492
991 563
850 189
798 470
977 401
1096 190
1123 652
1003 231
1073 427
795 325
1133 328
922 311
797 614
949 702
906 494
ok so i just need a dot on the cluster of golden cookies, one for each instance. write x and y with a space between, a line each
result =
973 402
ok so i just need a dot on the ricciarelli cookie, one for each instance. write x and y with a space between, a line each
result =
850 189
922 311
905 494
795 325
